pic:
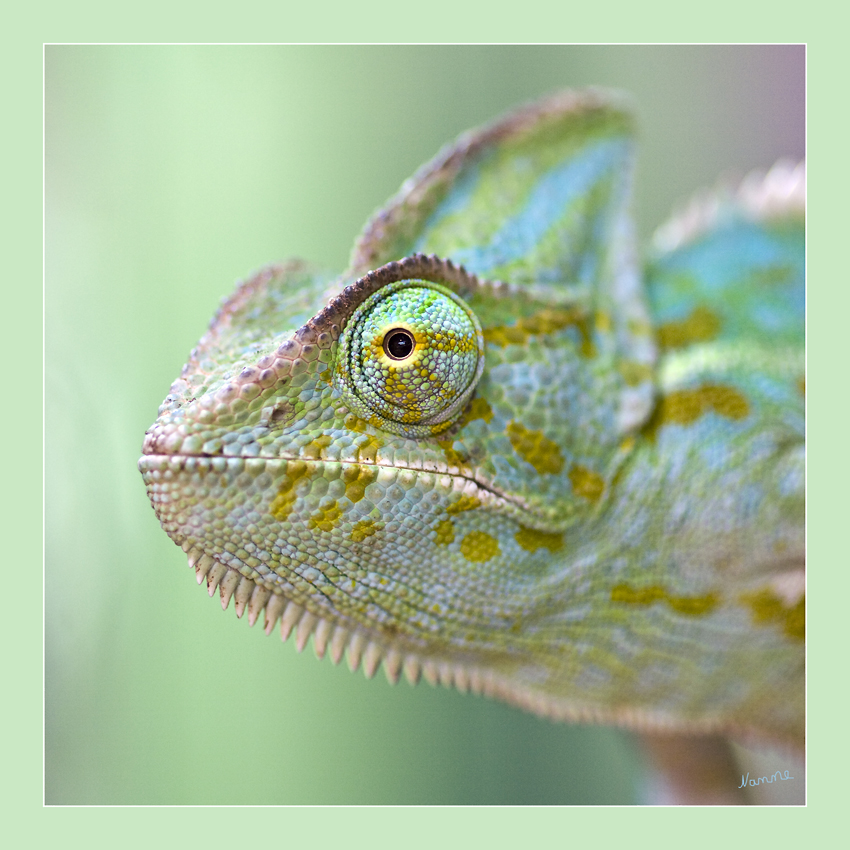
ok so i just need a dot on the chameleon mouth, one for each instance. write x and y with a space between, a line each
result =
277 592
515 505
302 614
196 498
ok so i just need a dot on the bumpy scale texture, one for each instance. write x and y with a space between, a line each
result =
514 460
410 358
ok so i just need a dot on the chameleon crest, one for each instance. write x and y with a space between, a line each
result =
500 453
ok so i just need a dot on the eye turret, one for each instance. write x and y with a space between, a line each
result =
410 357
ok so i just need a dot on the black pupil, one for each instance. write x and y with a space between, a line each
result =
398 344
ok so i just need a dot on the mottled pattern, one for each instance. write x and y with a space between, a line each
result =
529 468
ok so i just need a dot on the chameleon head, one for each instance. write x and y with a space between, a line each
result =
465 473
368 468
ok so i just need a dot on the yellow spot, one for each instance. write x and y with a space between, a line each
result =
692 606
535 448
726 401
368 449
635 373
769 608
355 423
445 531
684 407
701 326
282 504
478 546
640 327
603 322
772 275
587 349
453 458
532 540
363 529
478 408
464 503
357 478
546 321
313 449
325 518
586 483
801 386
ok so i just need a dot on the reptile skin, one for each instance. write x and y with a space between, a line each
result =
502 452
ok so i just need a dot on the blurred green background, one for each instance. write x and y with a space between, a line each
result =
170 173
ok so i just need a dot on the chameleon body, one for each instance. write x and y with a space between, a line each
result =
501 453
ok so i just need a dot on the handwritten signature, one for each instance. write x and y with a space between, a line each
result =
747 781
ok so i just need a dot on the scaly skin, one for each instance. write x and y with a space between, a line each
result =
512 460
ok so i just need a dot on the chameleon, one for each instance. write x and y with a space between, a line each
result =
504 451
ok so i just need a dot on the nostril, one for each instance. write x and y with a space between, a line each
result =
281 411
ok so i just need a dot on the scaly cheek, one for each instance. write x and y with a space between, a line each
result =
396 549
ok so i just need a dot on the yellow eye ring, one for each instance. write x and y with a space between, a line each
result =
399 344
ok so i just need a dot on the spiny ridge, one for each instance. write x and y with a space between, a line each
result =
214 576
412 669
461 679
337 638
321 637
328 635
355 650
762 196
202 567
392 665
274 609
242 594
260 598
227 586
290 617
305 628
430 672
371 659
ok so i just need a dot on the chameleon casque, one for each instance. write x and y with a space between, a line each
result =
503 453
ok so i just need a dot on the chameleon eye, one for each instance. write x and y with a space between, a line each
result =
399 343
410 357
